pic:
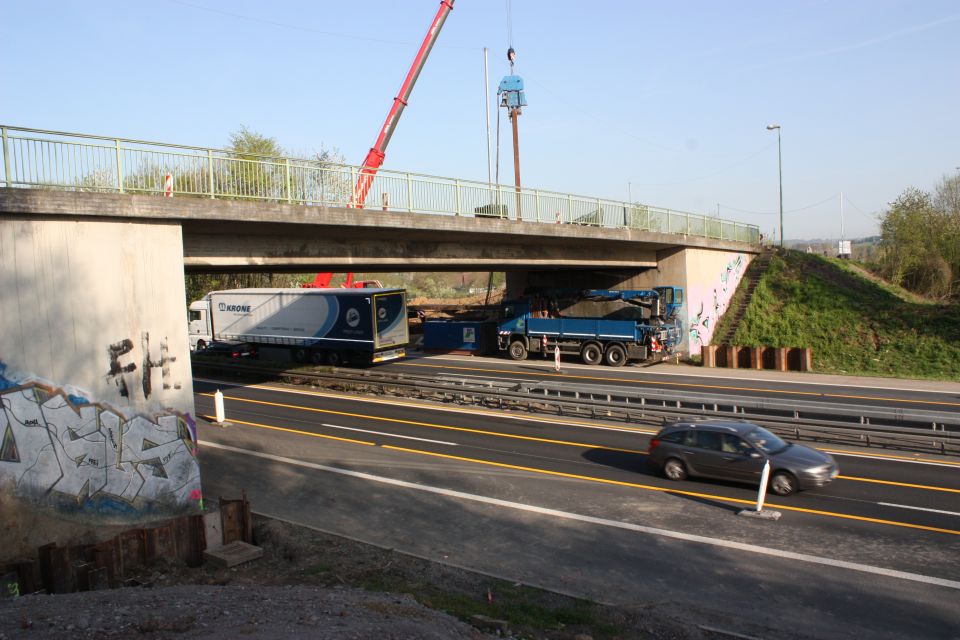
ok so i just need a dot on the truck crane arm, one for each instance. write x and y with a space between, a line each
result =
376 154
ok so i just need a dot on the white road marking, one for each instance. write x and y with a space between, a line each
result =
904 506
390 435
664 533
432 407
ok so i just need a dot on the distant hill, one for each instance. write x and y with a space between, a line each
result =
855 323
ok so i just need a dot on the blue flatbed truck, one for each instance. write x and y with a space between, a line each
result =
532 324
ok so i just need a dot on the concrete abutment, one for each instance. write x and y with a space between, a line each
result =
95 381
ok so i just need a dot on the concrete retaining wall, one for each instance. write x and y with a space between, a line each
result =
95 384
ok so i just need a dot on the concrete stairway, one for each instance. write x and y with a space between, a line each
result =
743 296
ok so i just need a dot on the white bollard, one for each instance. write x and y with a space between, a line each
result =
218 406
168 185
762 493
769 514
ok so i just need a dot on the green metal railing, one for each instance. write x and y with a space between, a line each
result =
34 158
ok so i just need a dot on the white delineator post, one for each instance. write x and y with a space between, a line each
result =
769 514
764 478
168 185
218 406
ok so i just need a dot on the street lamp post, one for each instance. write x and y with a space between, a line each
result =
771 127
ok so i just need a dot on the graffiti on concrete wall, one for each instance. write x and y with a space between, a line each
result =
58 446
713 305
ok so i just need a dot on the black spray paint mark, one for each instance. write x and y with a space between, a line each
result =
149 364
116 371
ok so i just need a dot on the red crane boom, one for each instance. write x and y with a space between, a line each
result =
375 156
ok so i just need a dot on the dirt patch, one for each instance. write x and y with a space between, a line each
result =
311 584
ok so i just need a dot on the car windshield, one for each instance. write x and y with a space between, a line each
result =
765 441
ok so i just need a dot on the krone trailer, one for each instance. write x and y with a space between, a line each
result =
329 326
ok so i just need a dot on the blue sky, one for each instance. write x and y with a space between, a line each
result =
667 102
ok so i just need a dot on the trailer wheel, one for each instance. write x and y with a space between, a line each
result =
334 358
300 355
616 355
518 350
316 356
591 353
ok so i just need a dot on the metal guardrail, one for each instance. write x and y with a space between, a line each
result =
868 426
35 158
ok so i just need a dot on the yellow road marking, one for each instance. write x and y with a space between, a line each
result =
686 384
423 424
677 491
471 411
889 456
562 421
567 443
901 484
605 480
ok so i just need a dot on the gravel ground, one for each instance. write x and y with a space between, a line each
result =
226 613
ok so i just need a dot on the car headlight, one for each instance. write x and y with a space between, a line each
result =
819 470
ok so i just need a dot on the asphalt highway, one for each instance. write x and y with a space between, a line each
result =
887 514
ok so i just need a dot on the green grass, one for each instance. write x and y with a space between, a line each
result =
527 609
855 325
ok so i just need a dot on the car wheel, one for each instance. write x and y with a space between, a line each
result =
674 469
591 353
201 345
518 350
783 483
616 355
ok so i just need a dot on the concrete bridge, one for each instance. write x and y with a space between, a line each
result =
92 264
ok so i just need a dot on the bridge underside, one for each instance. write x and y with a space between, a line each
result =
226 235
275 247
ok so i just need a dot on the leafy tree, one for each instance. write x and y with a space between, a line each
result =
921 240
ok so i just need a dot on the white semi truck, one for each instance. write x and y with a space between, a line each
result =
329 326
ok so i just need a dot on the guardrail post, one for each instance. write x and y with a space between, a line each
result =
6 159
119 166
353 189
536 194
289 189
213 190
457 184
688 224
569 208
409 193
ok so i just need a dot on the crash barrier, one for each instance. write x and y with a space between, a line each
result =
908 429
774 358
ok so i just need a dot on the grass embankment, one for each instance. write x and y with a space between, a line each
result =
853 323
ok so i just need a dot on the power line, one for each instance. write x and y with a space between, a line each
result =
774 213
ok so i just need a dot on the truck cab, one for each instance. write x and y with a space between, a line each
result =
198 324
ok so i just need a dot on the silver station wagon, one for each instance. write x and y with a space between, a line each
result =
733 450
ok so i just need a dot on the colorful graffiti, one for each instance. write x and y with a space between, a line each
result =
704 323
58 446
